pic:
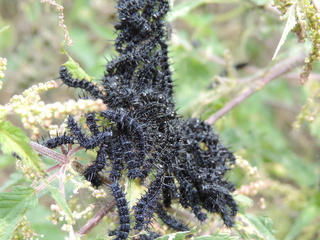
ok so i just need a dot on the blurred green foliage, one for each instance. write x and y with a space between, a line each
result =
208 36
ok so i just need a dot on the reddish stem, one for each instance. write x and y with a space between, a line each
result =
276 71
96 219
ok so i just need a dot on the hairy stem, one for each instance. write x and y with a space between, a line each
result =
274 72
49 152
96 218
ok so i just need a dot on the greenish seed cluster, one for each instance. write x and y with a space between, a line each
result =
307 27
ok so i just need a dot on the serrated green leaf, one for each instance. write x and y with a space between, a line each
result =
60 200
14 140
243 201
178 235
254 227
217 236
75 69
290 16
13 206
209 238
134 191
263 226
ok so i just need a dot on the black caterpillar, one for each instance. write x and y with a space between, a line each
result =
147 204
123 211
144 137
59 140
83 84
169 220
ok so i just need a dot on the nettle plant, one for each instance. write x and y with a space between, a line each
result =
140 136
147 162
135 135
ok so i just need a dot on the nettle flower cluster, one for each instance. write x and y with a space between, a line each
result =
140 135
305 18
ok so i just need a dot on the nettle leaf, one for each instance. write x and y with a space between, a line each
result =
14 140
217 236
13 206
243 202
75 69
254 227
291 17
134 191
188 236
178 235
60 200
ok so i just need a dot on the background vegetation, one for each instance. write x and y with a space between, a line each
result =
274 132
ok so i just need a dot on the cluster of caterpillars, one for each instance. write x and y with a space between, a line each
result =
144 137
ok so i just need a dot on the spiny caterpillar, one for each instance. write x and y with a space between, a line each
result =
123 211
183 160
